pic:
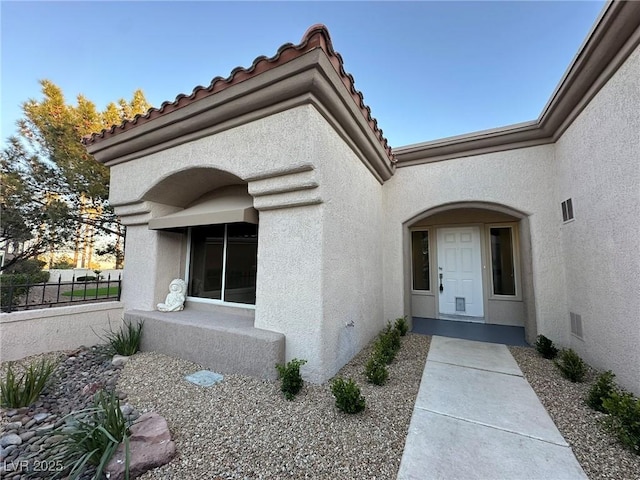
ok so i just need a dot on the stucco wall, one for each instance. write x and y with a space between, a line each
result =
521 179
31 332
352 275
598 161
319 255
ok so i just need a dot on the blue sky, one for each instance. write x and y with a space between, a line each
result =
428 70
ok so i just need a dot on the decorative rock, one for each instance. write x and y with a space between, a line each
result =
39 417
10 439
53 439
150 446
91 388
28 435
11 413
12 426
46 428
126 409
119 360
8 450
204 378
30 423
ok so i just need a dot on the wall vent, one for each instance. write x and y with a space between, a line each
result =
576 324
567 210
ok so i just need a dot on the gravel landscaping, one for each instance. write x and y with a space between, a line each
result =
600 455
244 428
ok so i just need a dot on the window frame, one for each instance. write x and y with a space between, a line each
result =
187 273
515 247
429 231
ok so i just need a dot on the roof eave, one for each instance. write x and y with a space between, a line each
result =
307 79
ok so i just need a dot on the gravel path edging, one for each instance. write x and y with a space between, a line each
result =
597 450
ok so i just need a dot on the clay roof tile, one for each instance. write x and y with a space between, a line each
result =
316 36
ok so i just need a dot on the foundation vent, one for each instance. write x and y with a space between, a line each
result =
576 324
567 210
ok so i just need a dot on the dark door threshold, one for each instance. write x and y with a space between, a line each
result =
480 332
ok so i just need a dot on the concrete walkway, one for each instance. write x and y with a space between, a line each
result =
476 417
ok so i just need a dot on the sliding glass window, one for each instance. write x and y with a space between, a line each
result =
223 262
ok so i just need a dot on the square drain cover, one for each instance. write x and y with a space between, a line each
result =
204 378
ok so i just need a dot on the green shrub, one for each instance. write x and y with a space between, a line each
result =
23 391
571 365
91 437
125 341
29 266
545 347
291 378
13 287
402 326
601 390
63 263
348 397
624 419
376 371
86 278
387 344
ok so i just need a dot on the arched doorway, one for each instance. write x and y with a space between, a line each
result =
470 262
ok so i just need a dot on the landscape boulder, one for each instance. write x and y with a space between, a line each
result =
150 446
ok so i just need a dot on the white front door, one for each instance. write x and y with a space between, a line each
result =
460 273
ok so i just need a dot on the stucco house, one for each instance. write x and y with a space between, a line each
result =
300 231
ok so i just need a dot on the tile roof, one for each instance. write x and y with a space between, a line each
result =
317 36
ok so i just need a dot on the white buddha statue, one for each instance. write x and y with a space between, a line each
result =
176 297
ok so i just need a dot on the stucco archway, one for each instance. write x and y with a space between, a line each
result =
499 289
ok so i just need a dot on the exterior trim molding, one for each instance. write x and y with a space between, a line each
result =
615 35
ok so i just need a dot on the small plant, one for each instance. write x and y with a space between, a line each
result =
402 326
125 341
348 397
291 378
571 365
91 437
624 419
387 345
376 371
23 391
545 347
601 390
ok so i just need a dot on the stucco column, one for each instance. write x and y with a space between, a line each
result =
152 258
289 283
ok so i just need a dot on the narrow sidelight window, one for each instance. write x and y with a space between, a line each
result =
502 261
223 262
420 260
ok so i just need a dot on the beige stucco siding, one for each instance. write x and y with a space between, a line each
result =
319 275
521 179
598 161
352 276
274 143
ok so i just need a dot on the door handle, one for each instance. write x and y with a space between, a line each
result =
441 287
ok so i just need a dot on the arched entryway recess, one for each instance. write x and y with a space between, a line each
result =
470 262
217 227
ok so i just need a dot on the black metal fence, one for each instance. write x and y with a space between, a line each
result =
23 296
